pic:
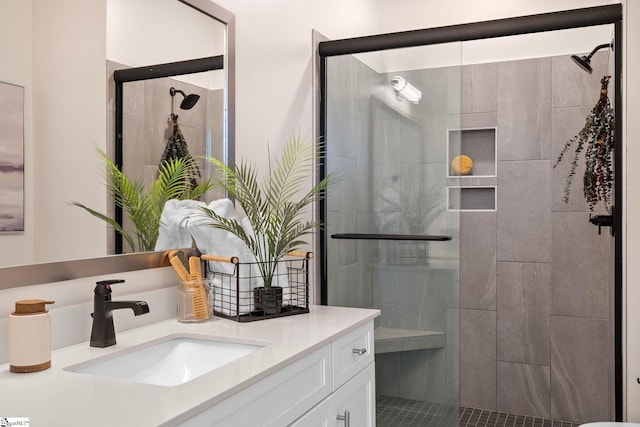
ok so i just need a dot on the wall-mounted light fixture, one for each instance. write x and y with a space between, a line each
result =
406 90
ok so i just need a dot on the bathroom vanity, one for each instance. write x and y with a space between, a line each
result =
303 370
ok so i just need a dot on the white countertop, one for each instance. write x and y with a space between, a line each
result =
63 398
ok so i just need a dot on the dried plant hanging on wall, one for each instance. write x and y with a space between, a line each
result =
596 139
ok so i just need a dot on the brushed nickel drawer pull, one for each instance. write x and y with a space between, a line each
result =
346 418
359 351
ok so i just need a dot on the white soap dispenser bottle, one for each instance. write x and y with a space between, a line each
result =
30 336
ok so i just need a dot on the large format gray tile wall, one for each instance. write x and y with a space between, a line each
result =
536 278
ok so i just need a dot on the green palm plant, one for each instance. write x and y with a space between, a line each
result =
276 206
144 206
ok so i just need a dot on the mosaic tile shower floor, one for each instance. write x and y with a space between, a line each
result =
396 412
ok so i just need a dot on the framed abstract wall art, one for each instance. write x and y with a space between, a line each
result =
11 158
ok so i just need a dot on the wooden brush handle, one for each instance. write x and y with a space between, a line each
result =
231 260
179 268
301 254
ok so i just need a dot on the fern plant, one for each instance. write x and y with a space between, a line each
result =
144 205
596 139
276 206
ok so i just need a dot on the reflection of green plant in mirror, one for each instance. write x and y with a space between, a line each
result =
144 206
276 218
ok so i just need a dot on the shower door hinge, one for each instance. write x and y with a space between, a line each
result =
603 221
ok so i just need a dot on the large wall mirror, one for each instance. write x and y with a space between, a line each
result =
168 98
125 34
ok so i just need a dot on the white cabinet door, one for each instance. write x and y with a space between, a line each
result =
356 400
352 405
322 415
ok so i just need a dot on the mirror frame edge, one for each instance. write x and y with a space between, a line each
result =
52 272
42 273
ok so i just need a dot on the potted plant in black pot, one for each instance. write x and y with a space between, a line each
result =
276 206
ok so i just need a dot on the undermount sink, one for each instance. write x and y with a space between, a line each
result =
170 361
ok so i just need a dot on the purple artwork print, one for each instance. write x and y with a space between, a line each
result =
11 157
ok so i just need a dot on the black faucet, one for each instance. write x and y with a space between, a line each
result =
102 332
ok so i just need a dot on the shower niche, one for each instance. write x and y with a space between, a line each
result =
472 180
474 199
479 144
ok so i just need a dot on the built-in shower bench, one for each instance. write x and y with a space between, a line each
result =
389 340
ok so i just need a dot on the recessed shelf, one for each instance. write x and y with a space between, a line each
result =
474 199
390 340
477 143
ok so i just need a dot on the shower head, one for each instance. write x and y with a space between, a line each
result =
189 100
584 62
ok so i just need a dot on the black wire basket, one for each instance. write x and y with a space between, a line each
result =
239 293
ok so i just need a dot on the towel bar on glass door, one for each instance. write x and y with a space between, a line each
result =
368 236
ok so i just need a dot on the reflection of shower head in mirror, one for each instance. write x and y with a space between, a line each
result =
189 100
584 62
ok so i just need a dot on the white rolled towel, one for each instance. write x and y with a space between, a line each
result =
214 241
173 232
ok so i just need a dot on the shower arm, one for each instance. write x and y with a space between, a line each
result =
597 48
172 92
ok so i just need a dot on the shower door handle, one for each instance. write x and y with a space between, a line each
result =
377 236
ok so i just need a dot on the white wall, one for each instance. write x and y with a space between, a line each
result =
274 64
147 32
414 14
56 50
70 314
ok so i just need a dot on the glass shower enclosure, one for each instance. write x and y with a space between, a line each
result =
449 218
393 222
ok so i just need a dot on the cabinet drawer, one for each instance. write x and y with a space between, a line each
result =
352 353
276 400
